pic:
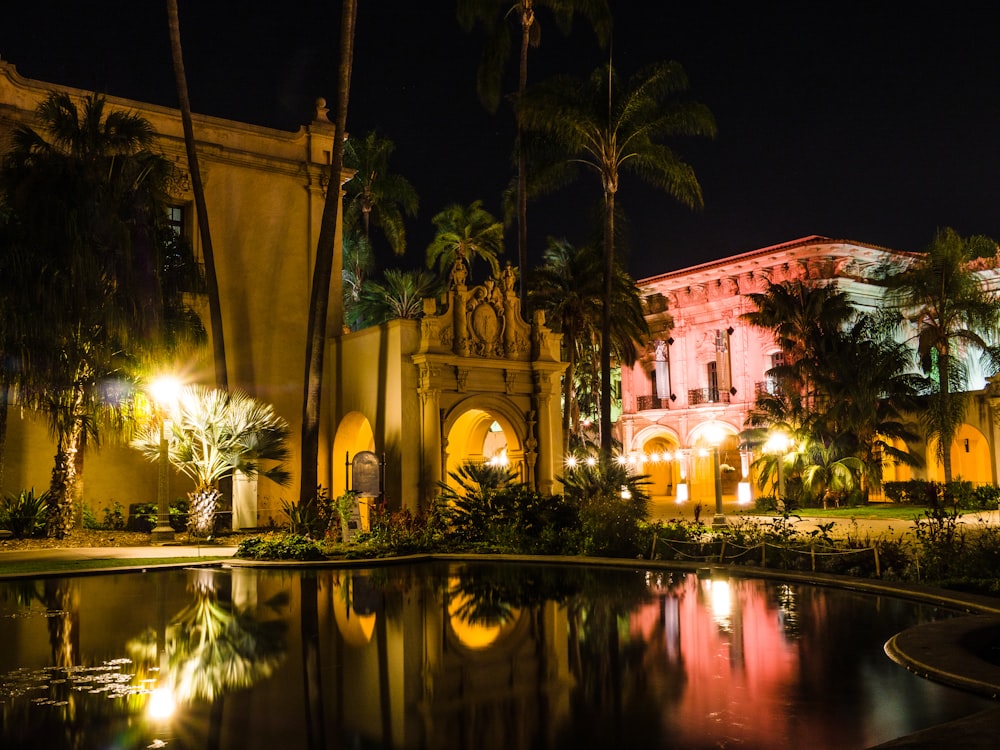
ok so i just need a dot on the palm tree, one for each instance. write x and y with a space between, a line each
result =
327 274
951 310
104 275
868 389
465 233
568 287
374 194
494 16
201 207
609 130
214 434
400 296
359 262
828 474
800 315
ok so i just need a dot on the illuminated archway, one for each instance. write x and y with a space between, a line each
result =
354 434
355 628
970 458
661 461
483 430
702 471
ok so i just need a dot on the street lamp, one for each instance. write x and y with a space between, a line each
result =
164 393
777 445
715 435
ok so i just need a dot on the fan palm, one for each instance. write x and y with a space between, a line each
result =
610 129
495 17
213 435
376 196
951 310
465 233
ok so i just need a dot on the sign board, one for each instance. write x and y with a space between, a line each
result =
365 472
350 519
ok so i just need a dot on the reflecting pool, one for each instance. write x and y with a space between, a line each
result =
454 656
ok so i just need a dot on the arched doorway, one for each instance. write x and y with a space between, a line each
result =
483 431
354 434
970 458
661 461
702 466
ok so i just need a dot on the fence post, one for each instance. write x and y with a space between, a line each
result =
812 556
878 572
652 550
722 551
763 554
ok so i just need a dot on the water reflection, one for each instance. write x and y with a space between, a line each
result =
454 656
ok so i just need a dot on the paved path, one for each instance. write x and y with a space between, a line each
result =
109 553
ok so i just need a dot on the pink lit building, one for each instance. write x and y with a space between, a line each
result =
704 366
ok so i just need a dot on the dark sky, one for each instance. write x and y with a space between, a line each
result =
872 121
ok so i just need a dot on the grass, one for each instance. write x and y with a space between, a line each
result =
24 568
885 512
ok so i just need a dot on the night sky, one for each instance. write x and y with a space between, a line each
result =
871 121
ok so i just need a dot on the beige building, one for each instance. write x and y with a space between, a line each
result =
471 380
704 367
265 190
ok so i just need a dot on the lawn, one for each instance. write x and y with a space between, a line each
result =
887 511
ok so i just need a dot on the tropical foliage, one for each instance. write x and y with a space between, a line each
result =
952 313
567 286
610 129
375 196
845 394
499 21
213 435
95 277
465 233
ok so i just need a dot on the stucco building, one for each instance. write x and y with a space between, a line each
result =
704 366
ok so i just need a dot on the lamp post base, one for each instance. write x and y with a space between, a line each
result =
163 534
719 520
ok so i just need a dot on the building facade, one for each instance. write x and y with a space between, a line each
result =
265 191
700 374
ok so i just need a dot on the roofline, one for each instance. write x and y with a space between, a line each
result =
813 239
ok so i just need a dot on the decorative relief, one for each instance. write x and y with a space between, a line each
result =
462 375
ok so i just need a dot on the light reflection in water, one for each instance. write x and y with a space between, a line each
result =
455 656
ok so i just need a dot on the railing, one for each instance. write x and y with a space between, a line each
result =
698 396
645 403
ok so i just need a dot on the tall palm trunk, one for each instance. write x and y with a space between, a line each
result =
62 489
198 187
527 19
570 334
609 270
947 428
327 276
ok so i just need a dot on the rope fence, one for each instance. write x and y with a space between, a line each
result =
730 552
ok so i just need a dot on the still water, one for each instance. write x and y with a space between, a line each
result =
454 656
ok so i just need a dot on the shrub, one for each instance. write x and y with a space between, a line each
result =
284 547
143 516
114 517
315 520
25 514
612 504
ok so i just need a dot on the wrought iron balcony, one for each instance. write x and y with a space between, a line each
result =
697 396
645 403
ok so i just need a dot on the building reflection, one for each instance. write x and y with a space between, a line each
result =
453 656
